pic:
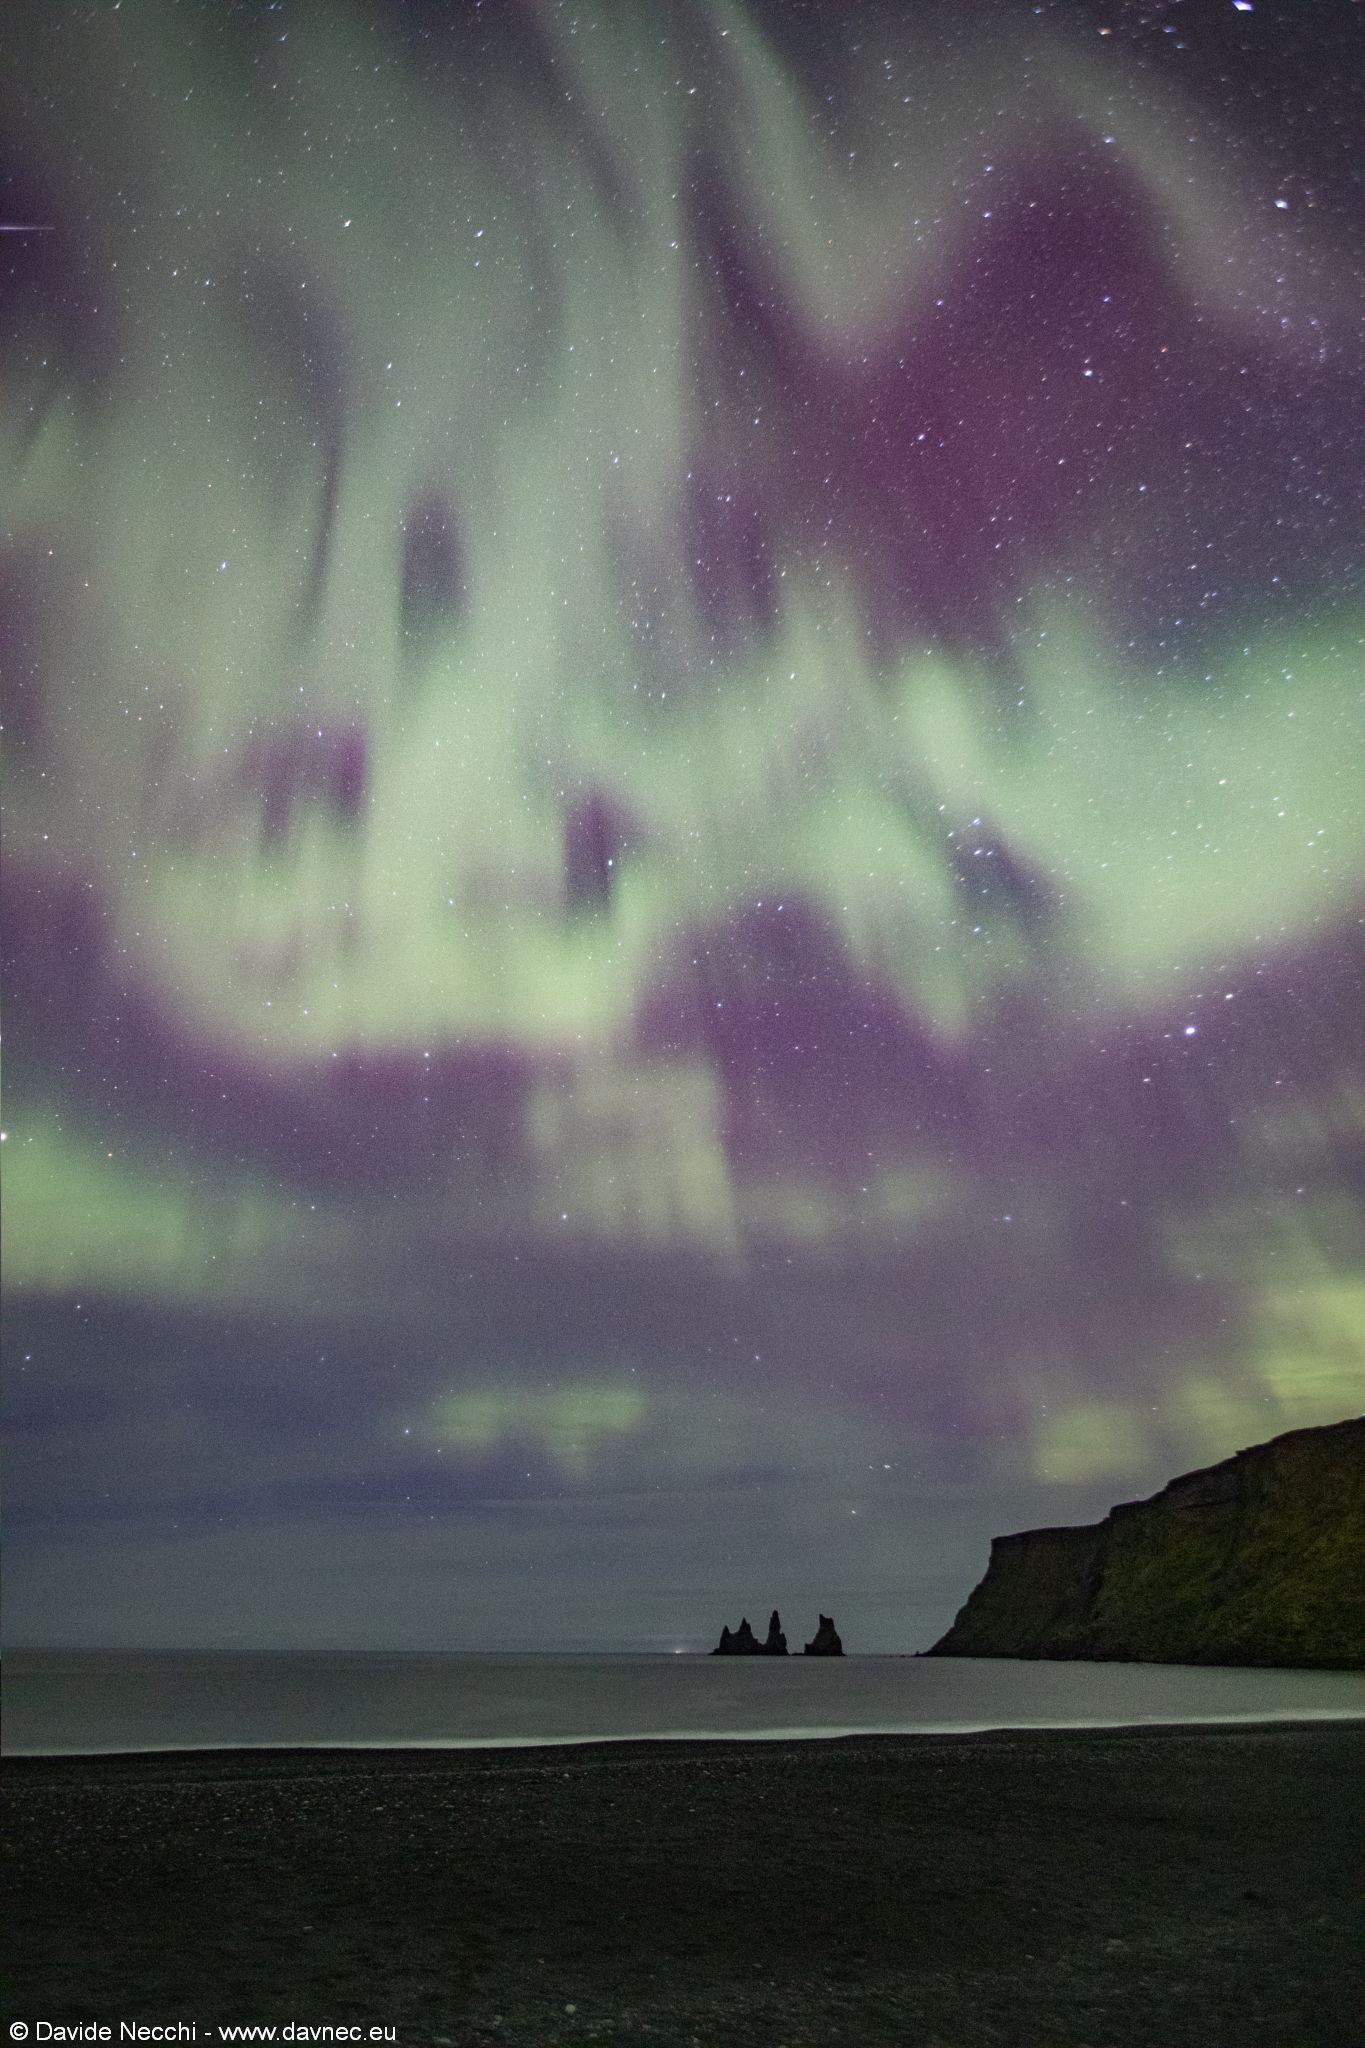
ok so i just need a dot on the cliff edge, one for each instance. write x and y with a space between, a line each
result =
1259 1560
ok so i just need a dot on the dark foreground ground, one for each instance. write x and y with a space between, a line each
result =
1044 1889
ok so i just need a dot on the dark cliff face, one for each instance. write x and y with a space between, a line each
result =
1259 1560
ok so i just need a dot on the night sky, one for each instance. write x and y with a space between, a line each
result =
684 759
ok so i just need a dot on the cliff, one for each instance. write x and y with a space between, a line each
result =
1259 1560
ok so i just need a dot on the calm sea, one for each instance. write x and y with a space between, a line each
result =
62 1701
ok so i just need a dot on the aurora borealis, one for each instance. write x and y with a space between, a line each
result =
684 852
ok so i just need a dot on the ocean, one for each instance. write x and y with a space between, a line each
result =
73 1702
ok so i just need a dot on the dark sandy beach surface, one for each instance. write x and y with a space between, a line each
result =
1138 1886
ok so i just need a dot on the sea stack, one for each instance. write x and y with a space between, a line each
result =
742 1642
826 1642
776 1643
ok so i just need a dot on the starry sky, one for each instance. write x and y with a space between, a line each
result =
684 766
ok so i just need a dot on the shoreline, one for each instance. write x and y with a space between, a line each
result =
1074 1887
1288 1717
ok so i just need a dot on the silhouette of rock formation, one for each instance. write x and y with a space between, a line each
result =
742 1642
1259 1560
826 1641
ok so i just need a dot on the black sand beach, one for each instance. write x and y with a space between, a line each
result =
1049 1889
